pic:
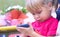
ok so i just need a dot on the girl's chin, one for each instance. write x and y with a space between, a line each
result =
41 20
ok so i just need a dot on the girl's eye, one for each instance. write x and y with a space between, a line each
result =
39 12
33 13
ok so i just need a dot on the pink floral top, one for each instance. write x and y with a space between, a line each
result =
46 28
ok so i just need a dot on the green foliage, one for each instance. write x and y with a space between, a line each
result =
24 10
4 4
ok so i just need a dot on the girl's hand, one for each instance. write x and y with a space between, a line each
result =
26 31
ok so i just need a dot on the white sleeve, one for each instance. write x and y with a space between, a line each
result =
58 29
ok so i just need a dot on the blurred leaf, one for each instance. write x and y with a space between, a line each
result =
24 10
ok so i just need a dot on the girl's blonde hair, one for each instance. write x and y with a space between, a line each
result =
33 5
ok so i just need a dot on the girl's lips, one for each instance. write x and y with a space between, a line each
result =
38 19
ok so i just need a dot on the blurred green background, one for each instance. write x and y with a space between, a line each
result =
4 4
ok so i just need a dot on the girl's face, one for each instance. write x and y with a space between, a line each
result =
42 14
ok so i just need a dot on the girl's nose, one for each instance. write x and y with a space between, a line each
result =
36 16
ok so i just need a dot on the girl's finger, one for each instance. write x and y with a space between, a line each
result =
22 28
30 24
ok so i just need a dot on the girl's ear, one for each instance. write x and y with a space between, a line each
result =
50 4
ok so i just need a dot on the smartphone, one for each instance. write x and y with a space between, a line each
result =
23 25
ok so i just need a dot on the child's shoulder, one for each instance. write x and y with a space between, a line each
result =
54 21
